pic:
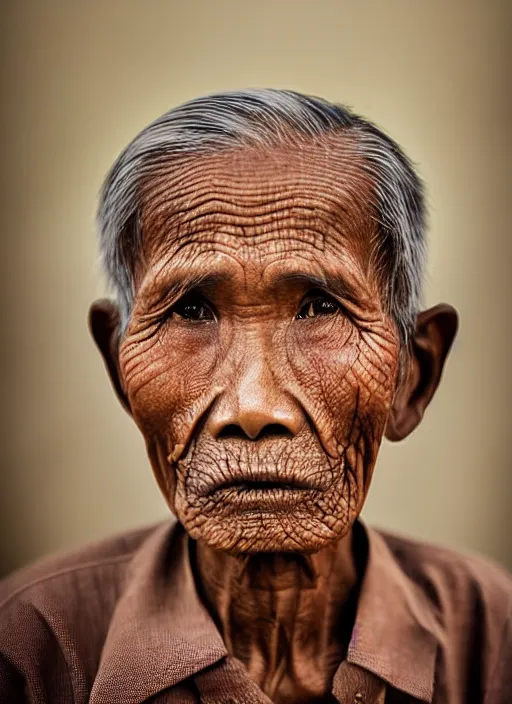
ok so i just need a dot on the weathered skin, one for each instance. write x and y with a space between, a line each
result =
261 367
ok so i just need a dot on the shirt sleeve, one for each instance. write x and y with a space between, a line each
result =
499 690
32 664
12 686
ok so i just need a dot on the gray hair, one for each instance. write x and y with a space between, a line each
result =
265 117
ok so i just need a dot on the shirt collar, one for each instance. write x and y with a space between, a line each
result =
396 634
161 634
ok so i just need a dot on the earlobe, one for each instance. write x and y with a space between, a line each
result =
433 337
105 327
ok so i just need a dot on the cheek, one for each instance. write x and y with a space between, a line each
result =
348 380
167 377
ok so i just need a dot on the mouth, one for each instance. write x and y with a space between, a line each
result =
261 485
260 495
266 471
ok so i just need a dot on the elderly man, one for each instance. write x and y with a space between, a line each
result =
267 252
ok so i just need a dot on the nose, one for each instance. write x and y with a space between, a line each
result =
254 406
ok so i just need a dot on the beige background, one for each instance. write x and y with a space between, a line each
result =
81 78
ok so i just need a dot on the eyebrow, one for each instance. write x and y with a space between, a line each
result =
182 281
336 285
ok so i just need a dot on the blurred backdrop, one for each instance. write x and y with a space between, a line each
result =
79 79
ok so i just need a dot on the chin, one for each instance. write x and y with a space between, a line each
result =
267 530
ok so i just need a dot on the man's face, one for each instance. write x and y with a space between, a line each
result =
259 363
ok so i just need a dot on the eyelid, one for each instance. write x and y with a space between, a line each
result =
319 293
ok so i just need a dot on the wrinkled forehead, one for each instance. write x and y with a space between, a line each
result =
309 200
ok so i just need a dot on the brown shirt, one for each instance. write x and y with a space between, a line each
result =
120 622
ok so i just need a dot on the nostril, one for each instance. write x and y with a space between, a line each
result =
274 430
232 430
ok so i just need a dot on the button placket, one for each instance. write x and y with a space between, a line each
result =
355 685
228 683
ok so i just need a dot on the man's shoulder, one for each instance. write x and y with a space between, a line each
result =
60 577
58 610
463 602
453 581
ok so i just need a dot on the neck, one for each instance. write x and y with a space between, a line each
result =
287 616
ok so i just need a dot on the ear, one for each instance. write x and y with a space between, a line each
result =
105 327
435 331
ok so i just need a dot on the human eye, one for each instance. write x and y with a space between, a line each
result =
191 308
318 304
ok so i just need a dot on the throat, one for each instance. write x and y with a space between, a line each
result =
287 617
